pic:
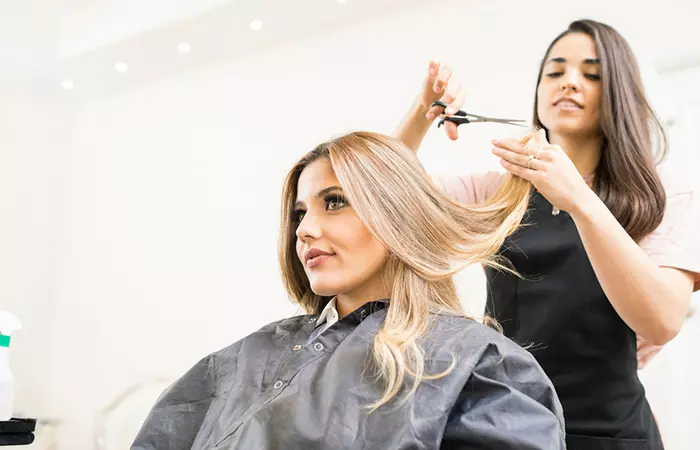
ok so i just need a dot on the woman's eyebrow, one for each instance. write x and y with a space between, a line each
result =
321 193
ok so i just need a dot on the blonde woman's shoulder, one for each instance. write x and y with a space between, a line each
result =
470 335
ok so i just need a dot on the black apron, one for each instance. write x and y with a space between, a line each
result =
560 313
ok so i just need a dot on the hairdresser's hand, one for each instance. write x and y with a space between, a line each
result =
547 167
441 84
645 352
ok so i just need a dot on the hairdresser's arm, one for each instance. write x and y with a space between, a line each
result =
438 84
414 126
652 300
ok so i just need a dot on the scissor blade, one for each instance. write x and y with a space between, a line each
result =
518 122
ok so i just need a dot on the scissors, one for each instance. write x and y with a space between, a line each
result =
461 117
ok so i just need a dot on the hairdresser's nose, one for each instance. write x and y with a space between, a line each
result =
571 81
309 228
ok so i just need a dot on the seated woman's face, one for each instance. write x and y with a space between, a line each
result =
339 254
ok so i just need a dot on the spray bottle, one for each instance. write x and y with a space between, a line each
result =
8 324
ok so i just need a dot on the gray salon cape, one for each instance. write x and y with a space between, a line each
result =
282 388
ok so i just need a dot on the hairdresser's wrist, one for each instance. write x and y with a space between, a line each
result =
414 126
587 207
420 108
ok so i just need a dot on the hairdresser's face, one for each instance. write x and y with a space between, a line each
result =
339 254
569 92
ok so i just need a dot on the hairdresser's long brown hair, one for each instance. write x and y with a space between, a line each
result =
626 178
428 236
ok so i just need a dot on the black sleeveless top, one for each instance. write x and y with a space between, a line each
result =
563 317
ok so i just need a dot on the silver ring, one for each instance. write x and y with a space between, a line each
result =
529 162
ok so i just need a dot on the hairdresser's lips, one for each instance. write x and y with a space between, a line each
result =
568 104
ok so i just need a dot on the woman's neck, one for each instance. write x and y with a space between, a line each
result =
584 152
345 305
349 302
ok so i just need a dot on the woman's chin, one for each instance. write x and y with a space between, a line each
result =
572 126
324 289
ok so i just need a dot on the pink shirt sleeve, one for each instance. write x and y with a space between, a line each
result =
470 189
675 242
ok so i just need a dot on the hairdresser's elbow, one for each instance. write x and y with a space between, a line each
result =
664 332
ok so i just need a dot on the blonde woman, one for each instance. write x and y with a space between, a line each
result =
385 357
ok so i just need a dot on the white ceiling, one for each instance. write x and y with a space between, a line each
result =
45 41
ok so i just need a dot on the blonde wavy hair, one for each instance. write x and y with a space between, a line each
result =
429 237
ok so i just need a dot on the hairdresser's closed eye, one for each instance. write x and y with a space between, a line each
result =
590 76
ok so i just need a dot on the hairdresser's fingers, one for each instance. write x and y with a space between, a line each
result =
429 93
434 112
458 102
515 158
454 86
539 138
646 351
643 357
443 78
544 152
438 84
433 69
451 93
451 130
527 137
520 171
439 87
521 160
548 153
512 145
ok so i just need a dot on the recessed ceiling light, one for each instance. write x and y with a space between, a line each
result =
256 25
342 2
121 67
184 47
67 85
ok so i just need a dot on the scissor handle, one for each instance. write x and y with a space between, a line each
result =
457 120
444 105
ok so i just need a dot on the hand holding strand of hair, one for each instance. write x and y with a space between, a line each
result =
547 167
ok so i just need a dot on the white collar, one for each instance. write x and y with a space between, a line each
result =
329 314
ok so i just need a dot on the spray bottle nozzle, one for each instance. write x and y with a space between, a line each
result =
8 324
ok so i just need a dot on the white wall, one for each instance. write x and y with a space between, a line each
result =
671 377
34 138
164 248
